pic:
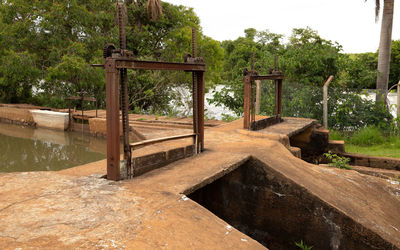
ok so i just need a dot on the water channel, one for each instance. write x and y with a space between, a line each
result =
29 149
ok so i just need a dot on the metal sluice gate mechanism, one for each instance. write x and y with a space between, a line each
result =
117 62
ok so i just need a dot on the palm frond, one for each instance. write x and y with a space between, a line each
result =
154 9
377 9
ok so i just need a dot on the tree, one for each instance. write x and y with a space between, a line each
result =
309 59
58 40
237 54
358 71
165 39
58 37
154 9
18 75
394 63
384 48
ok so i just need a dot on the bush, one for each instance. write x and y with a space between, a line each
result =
367 136
348 111
302 245
336 135
338 161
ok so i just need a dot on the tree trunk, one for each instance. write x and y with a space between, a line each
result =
384 51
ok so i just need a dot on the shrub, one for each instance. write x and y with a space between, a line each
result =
338 161
335 135
367 136
228 118
303 246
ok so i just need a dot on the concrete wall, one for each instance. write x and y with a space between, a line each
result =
16 115
373 161
146 163
278 212
313 142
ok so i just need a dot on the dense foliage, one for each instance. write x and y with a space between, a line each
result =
46 48
307 60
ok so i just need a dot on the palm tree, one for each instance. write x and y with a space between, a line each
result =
384 48
153 7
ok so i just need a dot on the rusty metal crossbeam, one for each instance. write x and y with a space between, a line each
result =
140 144
92 99
153 65
267 77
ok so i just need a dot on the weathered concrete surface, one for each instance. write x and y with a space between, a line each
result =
314 142
16 115
50 119
336 146
373 161
277 212
75 208
290 126
63 210
378 172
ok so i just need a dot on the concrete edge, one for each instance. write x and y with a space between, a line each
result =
224 170
282 138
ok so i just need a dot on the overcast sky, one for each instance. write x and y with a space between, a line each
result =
349 22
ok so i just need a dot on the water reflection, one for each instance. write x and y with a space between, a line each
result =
28 149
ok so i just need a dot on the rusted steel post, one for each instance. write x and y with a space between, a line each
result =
278 97
200 110
252 103
195 94
252 94
112 112
69 116
124 87
82 111
246 107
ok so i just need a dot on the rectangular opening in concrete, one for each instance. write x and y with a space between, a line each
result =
277 212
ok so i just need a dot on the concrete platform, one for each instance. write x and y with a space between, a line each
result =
290 126
50 119
75 208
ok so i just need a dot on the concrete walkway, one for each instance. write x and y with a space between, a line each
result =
75 208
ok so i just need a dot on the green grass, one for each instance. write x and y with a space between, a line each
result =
385 150
369 141
368 136
335 135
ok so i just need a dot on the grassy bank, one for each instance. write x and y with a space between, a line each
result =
369 141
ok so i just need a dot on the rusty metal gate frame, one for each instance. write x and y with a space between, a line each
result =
120 60
249 121
81 98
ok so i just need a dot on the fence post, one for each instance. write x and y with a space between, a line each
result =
258 96
398 100
325 90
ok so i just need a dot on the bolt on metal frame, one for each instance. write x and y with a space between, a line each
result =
119 62
250 77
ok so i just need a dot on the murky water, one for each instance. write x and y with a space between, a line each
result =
29 149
